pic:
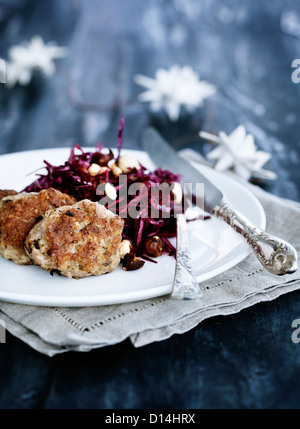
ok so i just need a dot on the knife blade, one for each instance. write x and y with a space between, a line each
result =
276 255
164 156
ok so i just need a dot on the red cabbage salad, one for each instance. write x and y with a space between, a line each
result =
76 177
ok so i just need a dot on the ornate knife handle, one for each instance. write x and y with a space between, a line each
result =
276 255
185 284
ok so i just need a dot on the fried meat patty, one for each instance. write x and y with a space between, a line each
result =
77 241
19 213
6 193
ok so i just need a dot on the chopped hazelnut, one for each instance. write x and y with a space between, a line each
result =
132 263
125 248
176 192
110 191
126 163
116 171
94 169
154 246
102 158
104 169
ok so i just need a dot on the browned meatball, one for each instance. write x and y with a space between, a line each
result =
19 213
77 241
6 193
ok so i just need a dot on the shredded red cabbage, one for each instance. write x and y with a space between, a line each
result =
74 179
120 136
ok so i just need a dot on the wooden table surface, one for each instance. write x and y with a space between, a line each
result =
246 49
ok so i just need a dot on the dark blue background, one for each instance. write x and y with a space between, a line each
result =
246 49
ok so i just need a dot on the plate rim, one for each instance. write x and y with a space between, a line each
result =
134 296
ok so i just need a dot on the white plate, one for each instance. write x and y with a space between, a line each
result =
215 247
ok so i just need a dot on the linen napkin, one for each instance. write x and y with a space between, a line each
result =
53 330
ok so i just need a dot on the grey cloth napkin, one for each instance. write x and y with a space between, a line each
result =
53 330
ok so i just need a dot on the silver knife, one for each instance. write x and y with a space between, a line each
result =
276 255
